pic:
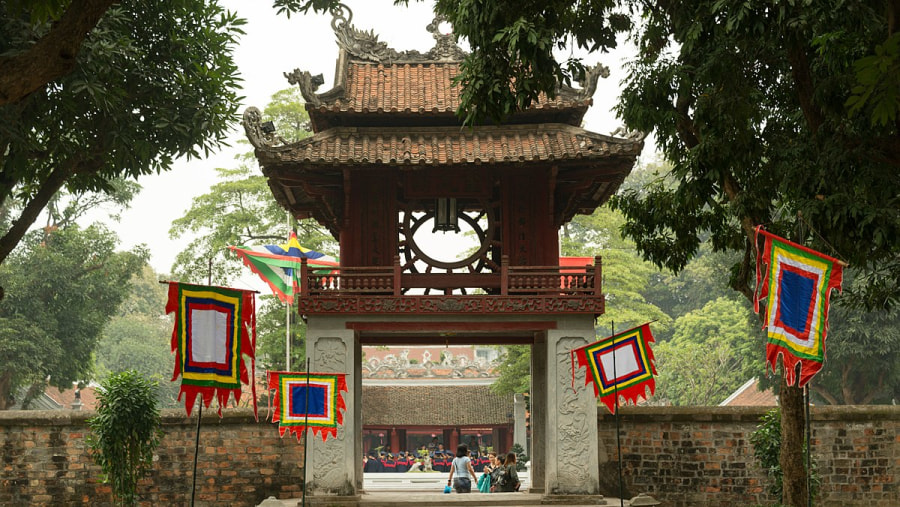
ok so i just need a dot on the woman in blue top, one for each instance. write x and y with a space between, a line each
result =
462 469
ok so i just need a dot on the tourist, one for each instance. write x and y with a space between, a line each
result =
496 465
461 467
402 463
484 482
473 444
371 465
390 466
439 463
508 478
483 461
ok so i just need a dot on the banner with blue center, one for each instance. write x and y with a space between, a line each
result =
215 327
311 400
619 365
797 282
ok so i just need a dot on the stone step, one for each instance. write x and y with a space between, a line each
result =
419 498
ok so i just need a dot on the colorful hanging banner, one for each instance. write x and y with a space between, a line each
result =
279 265
215 327
797 282
621 364
316 404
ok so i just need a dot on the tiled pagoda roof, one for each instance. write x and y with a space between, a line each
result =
375 80
448 146
434 405
306 176
418 89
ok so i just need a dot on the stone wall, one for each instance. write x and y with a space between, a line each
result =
703 456
241 462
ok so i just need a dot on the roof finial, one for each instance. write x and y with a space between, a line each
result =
340 20
445 47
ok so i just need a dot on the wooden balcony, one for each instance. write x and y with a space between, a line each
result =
515 289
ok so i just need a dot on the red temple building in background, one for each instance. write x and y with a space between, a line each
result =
389 164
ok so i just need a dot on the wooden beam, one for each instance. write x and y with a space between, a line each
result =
452 327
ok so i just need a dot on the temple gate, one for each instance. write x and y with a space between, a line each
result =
390 160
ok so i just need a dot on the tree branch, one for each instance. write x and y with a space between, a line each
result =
29 214
54 55
821 391
873 392
804 83
684 125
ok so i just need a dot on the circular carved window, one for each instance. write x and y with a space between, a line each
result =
478 221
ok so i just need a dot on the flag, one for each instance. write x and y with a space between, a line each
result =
279 265
797 282
621 364
318 405
215 327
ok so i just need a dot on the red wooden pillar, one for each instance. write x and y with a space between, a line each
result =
454 440
497 441
446 436
395 441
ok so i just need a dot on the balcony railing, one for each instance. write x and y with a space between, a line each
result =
510 281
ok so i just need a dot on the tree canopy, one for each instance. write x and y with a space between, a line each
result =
749 104
137 337
724 334
64 286
152 81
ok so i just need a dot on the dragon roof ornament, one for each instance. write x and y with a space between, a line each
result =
364 44
260 134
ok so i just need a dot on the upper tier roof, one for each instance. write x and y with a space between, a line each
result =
375 84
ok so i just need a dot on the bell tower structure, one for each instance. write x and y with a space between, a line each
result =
389 163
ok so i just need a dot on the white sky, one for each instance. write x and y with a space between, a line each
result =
273 45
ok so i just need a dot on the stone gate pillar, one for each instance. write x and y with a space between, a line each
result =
335 466
570 439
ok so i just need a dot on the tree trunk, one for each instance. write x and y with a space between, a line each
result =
5 387
793 419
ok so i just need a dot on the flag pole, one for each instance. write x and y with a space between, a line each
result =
199 414
612 325
287 336
808 462
287 312
305 431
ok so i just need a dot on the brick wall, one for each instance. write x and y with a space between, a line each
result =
703 456
45 461
681 456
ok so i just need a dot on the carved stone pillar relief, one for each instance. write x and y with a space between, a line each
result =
331 470
572 418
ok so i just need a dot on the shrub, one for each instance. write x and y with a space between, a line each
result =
766 441
125 432
521 457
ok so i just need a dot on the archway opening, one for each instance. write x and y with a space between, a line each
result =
423 394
